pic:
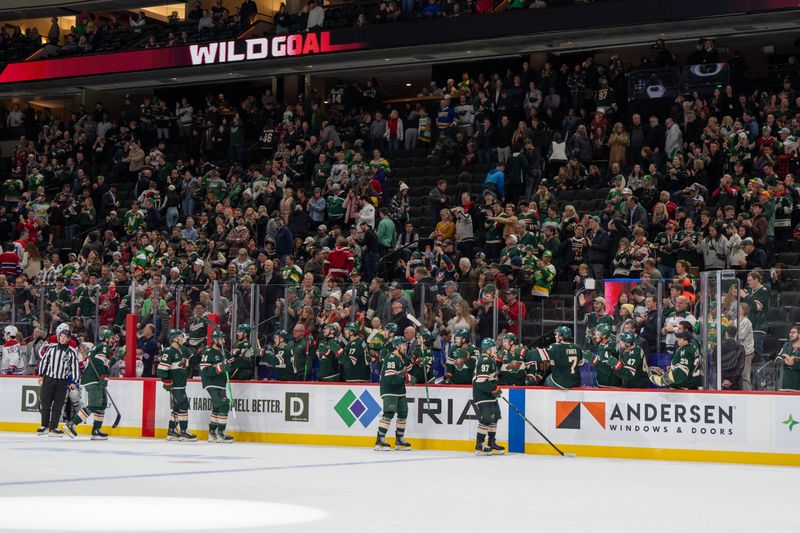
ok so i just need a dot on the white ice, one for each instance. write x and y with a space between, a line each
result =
149 485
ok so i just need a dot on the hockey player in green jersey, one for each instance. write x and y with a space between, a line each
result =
213 370
172 369
604 349
461 360
391 331
598 316
241 359
685 372
513 366
422 358
565 359
631 364
328 351
790 357
95 381
355 357
393 393
485 392
279 356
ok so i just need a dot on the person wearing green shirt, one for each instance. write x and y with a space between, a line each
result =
790 357
328 351
134 219
565 358
393 393
461 359
387 233
600 357
630 365
173 371
214 375
485 392
686 371
241 359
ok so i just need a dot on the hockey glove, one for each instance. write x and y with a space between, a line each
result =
167 385
497 392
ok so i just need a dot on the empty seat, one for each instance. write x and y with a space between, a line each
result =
787 258
790 298
776 314
779 330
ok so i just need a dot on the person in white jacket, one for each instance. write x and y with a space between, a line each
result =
12 363
673 143
316 16
745 338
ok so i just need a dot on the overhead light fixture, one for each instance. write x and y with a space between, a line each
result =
469 51
408 85
387 59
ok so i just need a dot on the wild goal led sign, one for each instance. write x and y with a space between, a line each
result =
262 48
214 53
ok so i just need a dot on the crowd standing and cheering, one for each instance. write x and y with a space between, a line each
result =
292 221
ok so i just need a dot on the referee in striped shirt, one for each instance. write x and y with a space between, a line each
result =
59 362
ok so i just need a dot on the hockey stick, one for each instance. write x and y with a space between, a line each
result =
511 405
105 390
230 392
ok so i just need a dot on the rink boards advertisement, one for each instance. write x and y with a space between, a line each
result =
701 426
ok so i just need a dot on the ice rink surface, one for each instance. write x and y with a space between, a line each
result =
153 485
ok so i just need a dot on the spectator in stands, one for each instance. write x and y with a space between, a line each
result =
54 34
733 358
316 16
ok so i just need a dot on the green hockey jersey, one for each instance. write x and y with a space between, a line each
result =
212 368
566 360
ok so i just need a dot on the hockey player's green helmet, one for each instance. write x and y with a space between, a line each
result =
217 335
627 338
174 334
396 342
352 326
488 344
244 328
391 327
604 330
283 334
510 337
105 333
564 331
428 336
463 334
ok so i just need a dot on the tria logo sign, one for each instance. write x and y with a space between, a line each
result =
352 408
568 414
263 48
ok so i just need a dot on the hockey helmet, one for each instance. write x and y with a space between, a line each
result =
105 333
217 335
627 338
352 326
62 328
391 327
10 330
603 330
395 343
174 334
428 336
283 334
488 344
510 337
564 332
244 328
463 334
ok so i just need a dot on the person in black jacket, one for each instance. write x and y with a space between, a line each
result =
732 360
599 241
371 250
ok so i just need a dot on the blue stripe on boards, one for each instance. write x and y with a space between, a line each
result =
516 424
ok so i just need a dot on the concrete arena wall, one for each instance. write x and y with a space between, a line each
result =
744 427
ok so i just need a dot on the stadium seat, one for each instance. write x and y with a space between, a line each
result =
790 298
776 314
